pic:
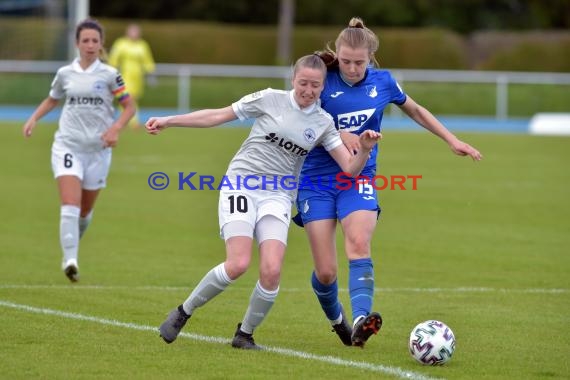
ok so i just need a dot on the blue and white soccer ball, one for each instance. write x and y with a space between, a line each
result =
432 343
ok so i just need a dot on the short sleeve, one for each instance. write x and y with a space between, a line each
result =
398 95
56 90
331 138
252 105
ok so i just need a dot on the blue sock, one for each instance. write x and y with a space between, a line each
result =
361 286
328 297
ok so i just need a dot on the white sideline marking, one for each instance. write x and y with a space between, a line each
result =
308 289
401 373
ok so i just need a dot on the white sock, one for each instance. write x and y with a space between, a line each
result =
338 320
212 284
260 303
84 223
69 232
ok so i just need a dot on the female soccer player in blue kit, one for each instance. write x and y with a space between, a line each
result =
355 94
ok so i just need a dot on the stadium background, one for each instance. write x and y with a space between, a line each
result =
483 247
496 37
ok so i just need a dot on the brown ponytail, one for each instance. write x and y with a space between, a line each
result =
356 35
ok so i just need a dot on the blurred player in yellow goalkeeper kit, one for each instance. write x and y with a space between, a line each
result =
132 56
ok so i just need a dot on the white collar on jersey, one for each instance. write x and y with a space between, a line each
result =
77 67
306 110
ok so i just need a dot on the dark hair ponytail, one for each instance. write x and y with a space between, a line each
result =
329 58
89 24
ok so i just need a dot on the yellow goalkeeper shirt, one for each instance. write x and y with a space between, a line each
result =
134 60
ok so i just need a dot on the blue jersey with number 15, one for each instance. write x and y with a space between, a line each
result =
354 109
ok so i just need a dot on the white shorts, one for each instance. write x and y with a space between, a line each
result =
251 206
91 168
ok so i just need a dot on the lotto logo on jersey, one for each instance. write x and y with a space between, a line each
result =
352 121
287 145
85 100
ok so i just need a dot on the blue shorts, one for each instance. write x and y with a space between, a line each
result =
334 202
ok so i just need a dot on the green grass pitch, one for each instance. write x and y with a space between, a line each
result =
481 246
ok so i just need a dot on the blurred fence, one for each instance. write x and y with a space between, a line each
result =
184 73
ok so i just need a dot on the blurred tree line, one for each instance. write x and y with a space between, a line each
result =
523 35
461 16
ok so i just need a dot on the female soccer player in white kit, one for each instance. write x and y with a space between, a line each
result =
287 125
81 152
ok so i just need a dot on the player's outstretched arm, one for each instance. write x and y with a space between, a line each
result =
198 119
353 164
427 120
463 149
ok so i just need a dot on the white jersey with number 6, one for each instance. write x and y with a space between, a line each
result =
88 110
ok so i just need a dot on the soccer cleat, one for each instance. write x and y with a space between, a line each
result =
71 270
364 328
175 321
343 329
244 340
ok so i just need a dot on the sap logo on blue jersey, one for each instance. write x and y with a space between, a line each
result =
352 121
